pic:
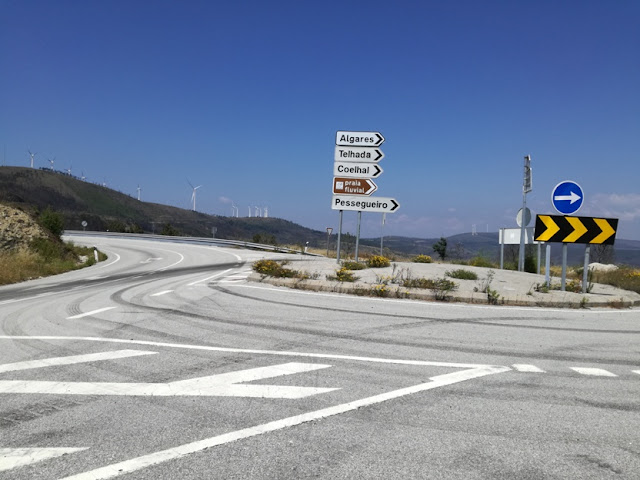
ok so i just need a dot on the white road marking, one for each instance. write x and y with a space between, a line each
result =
520 367
252 351
18 457
94 312
156 458
221 385
598 372
164 292
637 371
70 360
173 264
111 471
109 264
208 278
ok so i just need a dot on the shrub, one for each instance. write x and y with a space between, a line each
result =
275 269
625 278
52 221
462 274
440 247
378 261
480 261
343 275
348 265
422 259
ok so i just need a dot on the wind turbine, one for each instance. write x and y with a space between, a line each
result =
83 177
193 194
51 162
69 169
266 212
32 155
139 192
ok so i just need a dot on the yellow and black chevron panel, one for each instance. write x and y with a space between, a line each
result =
566 229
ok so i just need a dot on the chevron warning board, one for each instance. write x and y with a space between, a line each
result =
566 229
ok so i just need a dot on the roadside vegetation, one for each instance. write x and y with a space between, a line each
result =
45 256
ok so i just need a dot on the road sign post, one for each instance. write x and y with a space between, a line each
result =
567 197
355 163
526 188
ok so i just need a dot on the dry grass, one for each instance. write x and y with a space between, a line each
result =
48 258
625 278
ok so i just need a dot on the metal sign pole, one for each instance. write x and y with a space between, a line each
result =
358 233
547 268
501 249
585 273
384 216
339 236
539 253
563 279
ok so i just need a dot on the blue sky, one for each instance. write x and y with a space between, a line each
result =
244 98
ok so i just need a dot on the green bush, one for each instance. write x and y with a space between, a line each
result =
378 261
480 261
343 275
348 265
275 269
52 221
462 274
422 259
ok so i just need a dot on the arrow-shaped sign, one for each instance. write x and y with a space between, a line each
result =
566 229
364 204
359 139
356 170
572 197
357 154
354 186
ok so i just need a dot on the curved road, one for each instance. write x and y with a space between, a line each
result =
164 362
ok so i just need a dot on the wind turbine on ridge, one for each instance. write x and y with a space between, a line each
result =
193 194
51 162
32 155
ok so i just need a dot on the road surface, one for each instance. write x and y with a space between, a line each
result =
164 362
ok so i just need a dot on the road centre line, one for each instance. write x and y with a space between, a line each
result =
634 311
73 359
637 371
527 368
208 278
164 292
597 372
87 314
134 464
18 457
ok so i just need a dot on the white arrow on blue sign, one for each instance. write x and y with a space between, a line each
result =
567 197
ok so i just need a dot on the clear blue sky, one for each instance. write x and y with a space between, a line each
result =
245 98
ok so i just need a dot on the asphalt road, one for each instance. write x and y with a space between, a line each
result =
164 363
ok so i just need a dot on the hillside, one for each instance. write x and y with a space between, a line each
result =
106 209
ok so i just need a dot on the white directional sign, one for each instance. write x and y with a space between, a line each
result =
369 204
356 170
357 154
359 139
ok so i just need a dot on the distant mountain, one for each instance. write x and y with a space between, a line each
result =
106 209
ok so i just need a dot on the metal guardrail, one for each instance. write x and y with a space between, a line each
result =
193 240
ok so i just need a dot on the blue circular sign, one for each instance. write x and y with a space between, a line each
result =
567 197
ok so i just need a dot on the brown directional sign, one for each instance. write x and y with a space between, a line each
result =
566 229
353 186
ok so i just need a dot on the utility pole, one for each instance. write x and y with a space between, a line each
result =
526 188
